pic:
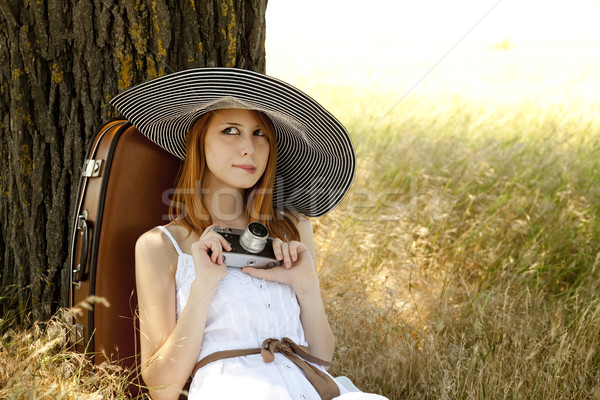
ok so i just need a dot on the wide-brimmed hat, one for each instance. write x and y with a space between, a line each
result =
315 157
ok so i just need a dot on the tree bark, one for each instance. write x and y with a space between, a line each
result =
61 61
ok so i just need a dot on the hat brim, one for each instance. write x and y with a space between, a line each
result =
315 158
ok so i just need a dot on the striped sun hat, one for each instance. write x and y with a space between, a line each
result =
315 157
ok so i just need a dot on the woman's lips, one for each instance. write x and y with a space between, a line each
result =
248 168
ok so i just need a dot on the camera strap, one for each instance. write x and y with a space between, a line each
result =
322 382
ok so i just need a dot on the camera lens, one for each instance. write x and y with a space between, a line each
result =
254 237
258 229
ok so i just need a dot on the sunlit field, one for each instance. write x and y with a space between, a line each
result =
465 261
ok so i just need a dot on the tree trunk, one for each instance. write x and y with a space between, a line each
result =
61 61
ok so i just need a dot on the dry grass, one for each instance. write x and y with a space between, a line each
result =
464 264
39 364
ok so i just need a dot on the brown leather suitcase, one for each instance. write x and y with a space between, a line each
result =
124 191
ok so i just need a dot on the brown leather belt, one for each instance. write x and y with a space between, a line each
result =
322 382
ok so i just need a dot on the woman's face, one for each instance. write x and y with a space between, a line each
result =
236 149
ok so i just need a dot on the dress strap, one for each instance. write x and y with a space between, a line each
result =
162 228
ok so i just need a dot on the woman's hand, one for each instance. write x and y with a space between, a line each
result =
297 269
207 253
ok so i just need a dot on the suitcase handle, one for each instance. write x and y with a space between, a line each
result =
80 272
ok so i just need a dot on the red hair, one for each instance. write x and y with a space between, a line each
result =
187 205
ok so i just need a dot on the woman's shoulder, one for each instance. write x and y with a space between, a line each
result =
174 235
304 227
295 217
302 222
152 240
154 247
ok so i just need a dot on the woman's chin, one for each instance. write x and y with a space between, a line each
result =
245 184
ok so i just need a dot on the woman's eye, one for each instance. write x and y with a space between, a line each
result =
259 132
232 130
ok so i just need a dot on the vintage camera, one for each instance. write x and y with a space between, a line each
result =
251 247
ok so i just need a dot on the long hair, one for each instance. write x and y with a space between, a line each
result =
187 204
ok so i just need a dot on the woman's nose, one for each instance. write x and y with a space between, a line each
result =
247 147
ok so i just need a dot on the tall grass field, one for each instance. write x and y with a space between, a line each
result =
465 261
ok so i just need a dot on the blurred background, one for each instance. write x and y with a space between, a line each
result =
465 261
503 49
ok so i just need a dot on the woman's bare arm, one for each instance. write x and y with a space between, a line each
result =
317 331
169 347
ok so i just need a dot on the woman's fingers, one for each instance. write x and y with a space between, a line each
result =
272 274
277 249
209 232
282 252
216 250
211 247
287 252
212 243
224 242
294 250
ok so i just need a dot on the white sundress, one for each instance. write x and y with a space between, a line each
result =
243 313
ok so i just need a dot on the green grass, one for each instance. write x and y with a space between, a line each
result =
465 261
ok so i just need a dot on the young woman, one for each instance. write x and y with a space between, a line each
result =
255 150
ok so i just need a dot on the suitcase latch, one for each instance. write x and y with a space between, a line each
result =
91 168
76 334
